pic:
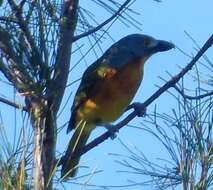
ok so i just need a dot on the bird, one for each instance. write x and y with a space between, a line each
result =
106 89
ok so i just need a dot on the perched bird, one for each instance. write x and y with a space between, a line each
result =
106 89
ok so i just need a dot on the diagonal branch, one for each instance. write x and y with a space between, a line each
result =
159 92
13 104
122 7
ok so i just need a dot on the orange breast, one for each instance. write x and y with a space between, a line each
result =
115 94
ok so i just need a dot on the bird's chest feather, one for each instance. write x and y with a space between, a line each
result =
116 92
121 87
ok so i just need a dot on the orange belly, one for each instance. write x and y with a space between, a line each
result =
114 95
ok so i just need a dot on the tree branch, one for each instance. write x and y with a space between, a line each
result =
193 97
24 27
17 72
13 104
67 27
8 19
122 7
160 91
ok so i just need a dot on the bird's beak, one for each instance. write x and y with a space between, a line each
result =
163 46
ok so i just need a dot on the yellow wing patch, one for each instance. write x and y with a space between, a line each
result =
106 72
90 104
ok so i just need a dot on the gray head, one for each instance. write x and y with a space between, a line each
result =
134 46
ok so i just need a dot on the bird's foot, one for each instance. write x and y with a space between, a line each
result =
139 108
112 130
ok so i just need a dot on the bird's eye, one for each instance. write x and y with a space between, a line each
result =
146 43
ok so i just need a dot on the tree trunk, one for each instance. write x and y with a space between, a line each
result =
44 124
44 113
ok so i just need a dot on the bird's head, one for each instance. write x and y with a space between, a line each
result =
143 45
134 46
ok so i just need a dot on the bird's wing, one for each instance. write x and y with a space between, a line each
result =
92 78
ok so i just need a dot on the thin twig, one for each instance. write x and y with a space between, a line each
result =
193 97
13 104
75 38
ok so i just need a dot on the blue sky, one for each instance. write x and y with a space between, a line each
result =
168 21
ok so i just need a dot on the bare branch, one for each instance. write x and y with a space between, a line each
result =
8 19
193 97
13 104
117 13
67 27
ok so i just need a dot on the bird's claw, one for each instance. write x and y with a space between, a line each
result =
112 130
139 108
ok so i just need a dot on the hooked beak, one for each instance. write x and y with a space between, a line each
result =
163 46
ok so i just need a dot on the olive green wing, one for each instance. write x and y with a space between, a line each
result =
92 78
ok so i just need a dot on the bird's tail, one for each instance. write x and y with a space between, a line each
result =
78 141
